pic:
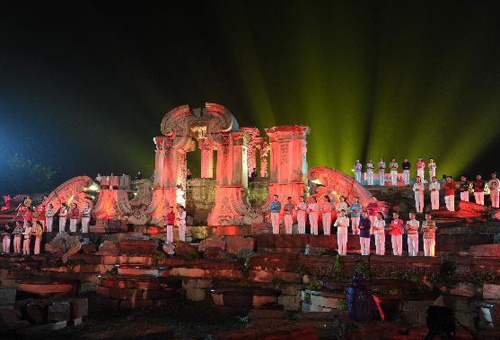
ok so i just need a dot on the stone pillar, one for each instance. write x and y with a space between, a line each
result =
207 159
231 180
253 142
167 187
264 153
288 173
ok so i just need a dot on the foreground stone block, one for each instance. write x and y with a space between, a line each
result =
465 289
108 248
491 291
10 319
79 308
238 245
7 296
186 250
36 312
215 242
485 250
59 311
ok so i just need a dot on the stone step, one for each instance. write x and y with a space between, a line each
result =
139 270
44 288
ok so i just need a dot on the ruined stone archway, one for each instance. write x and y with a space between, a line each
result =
213 127
336 183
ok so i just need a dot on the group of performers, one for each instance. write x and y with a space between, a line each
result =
33 221
478 187
174 218
363 222
394 167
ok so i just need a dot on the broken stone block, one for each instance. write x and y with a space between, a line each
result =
491 291
485 250
10 319
241 246
464 289
56 246
214 253
71 251
7 296
108 248
89 248
59 311
168 248
79 307
213 242
61 243
36 313
186 250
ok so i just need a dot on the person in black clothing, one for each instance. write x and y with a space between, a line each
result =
138 176
463 188
254 174
406 171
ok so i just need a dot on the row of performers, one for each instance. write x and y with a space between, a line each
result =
365 224
449 187
45 217
19 237
394 167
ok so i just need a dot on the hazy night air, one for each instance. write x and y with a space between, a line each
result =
84 85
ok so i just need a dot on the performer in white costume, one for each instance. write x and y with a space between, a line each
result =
434 188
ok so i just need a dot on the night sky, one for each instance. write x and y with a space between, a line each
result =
84 85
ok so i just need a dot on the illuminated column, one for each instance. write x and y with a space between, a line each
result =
288 161
264 153
168 178
207 159
231 180
252 144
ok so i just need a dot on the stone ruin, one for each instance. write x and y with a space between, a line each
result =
232 264
223 195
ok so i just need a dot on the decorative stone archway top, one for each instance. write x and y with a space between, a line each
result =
183 124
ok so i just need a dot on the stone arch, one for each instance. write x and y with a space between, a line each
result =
183 124
336 183
71 190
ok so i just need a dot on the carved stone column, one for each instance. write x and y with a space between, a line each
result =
253 142
168 178
231 180
264 153
288 161
207 159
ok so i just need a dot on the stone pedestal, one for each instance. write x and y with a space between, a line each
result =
232 180
170 178
112 204
162 199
